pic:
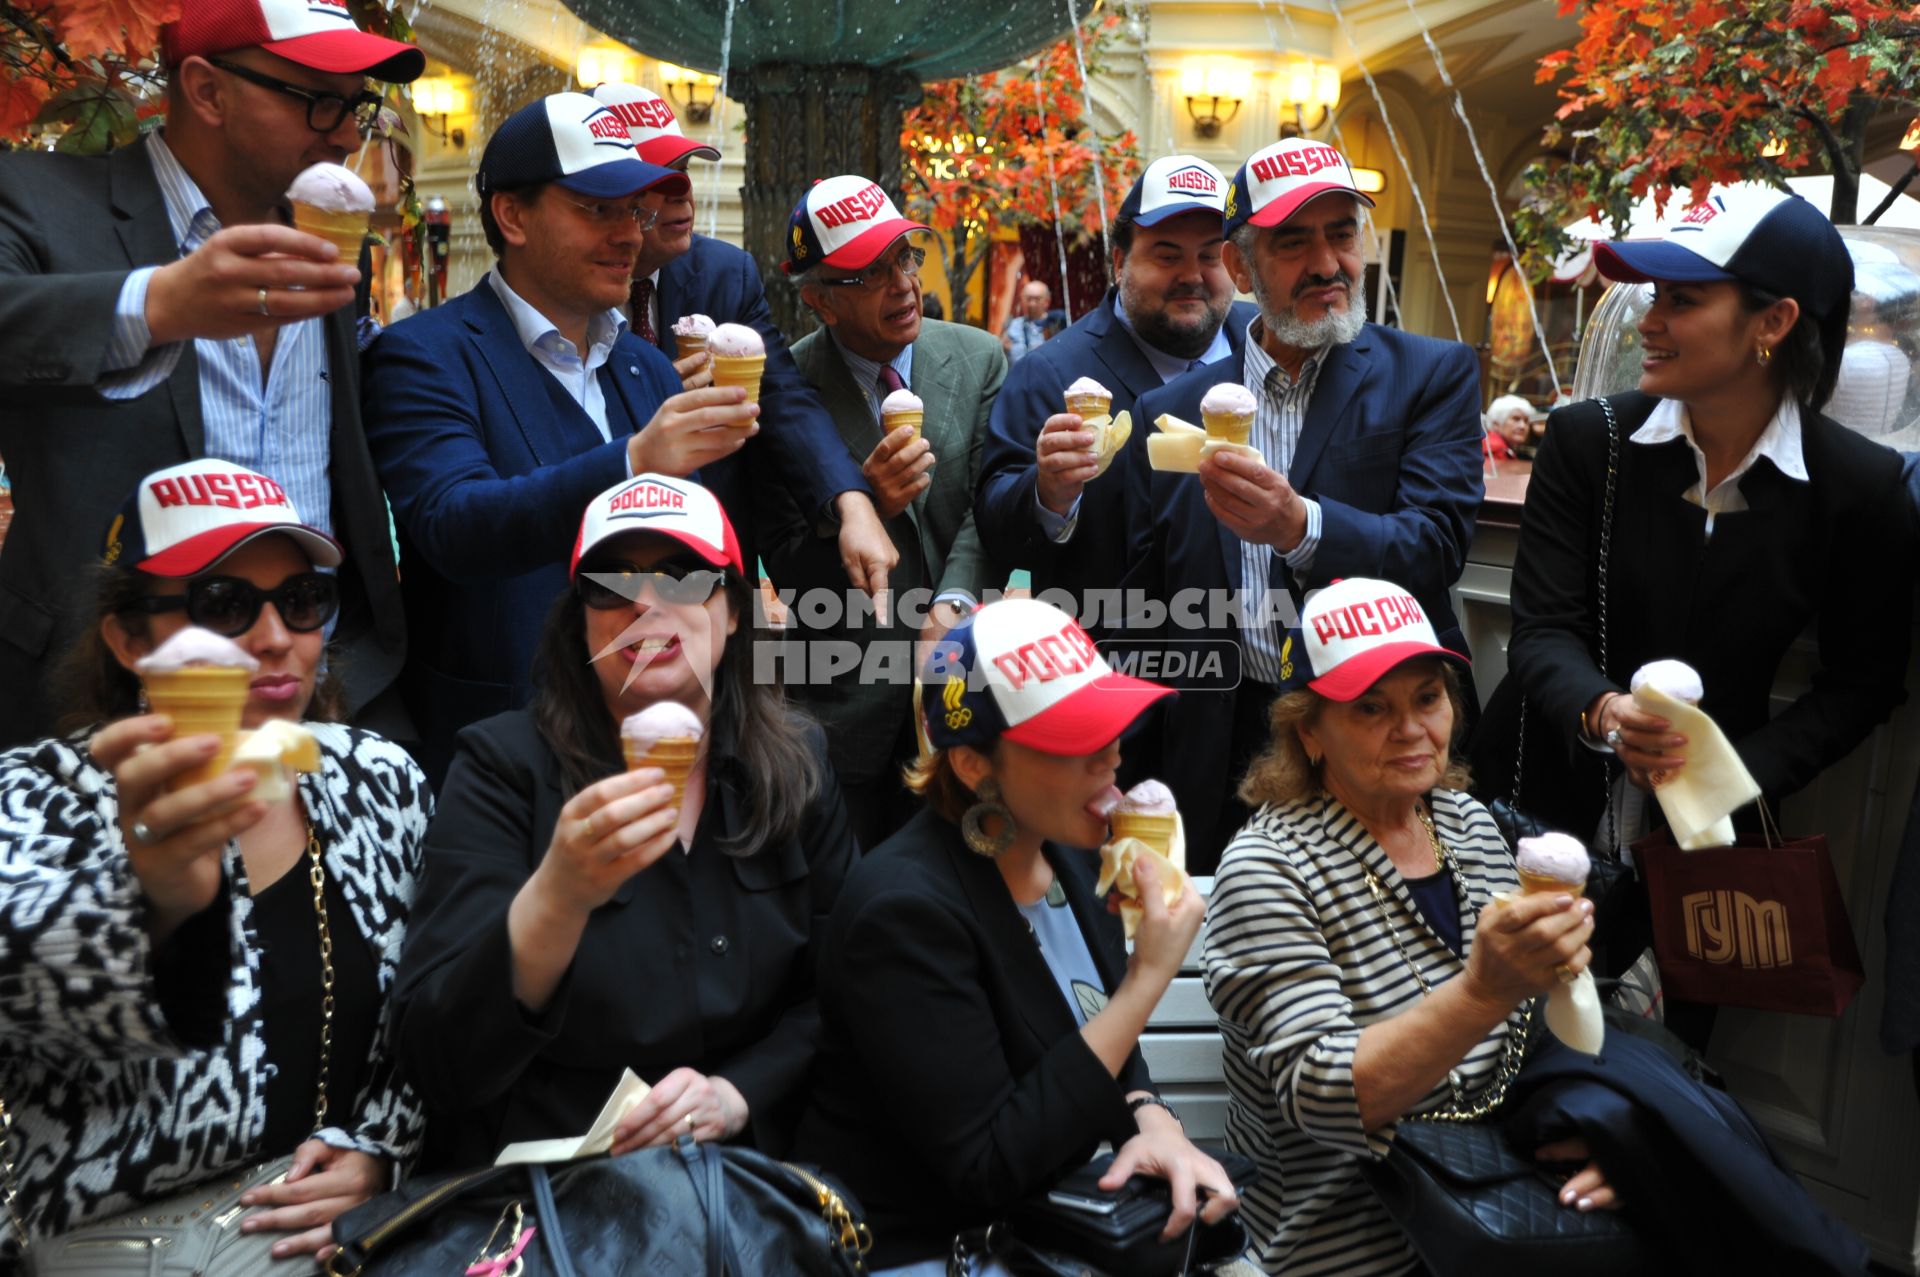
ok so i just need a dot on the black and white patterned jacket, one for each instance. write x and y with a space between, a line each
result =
110 1109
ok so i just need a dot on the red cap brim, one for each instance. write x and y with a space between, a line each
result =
865 248
353 53
1357 673
1295 200
1090 719
198 553
667 150
724 556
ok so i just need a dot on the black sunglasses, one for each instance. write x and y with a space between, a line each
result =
325 109
616 585
229 606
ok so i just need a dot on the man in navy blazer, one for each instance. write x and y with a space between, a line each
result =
496 418
680 273
1369 465
1171 307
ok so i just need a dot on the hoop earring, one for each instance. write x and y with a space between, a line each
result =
1313 759
1763 355
973 822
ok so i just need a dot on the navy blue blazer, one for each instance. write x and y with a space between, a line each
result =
799 443
1390 449
488 466
1099 346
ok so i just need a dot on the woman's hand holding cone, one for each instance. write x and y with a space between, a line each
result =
607 833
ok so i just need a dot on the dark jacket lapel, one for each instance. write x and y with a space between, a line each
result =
146 236
1010 941
1119 352
677 284
491 329
1341 373
620 379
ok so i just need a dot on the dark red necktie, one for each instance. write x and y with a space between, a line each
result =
889 381
640 302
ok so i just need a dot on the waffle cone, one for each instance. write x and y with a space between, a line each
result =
1154 830
674 755
739 370
1530 883
892 421
202 699
690 344
1089 405
345 231
1233 427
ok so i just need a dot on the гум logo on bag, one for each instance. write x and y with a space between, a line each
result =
1731 926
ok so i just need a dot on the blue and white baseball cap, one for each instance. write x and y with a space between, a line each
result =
1748 232
1024 671
1278 181
845 222
575 141
1172 185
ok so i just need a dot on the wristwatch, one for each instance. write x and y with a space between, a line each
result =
1134 1106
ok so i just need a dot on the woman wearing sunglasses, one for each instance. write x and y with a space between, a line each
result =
576 921
195 982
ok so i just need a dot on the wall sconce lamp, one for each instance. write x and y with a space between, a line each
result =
692 91
1370 180
1911 142
604 62
1214 89
438 98
1312 88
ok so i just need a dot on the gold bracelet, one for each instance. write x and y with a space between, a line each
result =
1586 728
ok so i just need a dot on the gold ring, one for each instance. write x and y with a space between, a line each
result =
1566 973
263 303
690 1134
586 828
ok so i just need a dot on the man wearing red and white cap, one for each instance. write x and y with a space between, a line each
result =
679 274
858 268
156 307
1368 465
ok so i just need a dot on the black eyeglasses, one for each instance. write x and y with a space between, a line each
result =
880 274
229 606
618 585
325 109
610 215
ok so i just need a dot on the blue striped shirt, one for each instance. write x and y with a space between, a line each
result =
279 426
1280 414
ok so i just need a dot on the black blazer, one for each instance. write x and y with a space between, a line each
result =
1832 553
71 230
703 959
953 1079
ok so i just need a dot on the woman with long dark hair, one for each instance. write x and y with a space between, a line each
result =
578 920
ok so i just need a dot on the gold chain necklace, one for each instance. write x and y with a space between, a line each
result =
317 875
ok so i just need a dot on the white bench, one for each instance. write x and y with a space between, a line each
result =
1182 1046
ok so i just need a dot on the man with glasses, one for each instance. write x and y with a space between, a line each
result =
156 307
495 418
680 273
858 268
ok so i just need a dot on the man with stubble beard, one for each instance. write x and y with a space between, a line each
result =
1368 466
1171 309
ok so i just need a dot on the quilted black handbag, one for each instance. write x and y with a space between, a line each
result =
691 1209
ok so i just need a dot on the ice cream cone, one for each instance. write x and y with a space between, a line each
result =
740 370
1085 406
892 421
1153 829
1229 427
345 231
201 699
674 755
1529 883
690 343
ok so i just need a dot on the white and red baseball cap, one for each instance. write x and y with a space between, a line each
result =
1175 184
1750 232
676 508
844 222
652 125
1277 181
1357 629
1024 671
317 34
181 520
575 141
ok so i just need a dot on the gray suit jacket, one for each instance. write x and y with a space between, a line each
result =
71 229
957 372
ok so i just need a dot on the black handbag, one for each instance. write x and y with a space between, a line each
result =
694 1208
1078 1229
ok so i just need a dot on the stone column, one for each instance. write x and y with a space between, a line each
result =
805 123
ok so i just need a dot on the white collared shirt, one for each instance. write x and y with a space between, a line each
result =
1279 416
1778 443
559 356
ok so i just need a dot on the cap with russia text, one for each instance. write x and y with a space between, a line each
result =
317 34
650 121
182 520
1277 181
1024 671
574 141
844 222
1175 184
1357 629
677 508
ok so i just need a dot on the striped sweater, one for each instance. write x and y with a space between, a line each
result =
1298 960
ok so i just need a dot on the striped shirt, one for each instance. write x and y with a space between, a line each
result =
1298 960
279 427
1279 414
